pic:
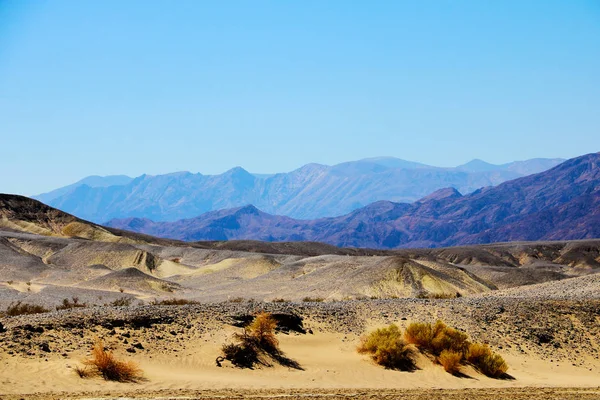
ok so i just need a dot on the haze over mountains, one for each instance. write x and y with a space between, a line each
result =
312 191
559 204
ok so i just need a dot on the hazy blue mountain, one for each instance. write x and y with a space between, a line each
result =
91 181
309 192
562 203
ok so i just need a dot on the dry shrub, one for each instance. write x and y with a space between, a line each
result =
105 364
437 295
436 338
173 302
486 361
450 360
121 302
254 345
313 299
82 372
387 348
262 330
419 334
236 300
280 301
241 355
67 305
446 338
257 345
19 308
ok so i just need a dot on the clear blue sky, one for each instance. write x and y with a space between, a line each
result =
132 87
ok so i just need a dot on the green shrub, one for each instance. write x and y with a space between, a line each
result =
387 348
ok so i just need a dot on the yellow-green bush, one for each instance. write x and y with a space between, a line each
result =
448 346
387 347
450 360
436 338
486 361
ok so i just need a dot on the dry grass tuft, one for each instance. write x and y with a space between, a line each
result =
451 361
387 347
83 372
105 364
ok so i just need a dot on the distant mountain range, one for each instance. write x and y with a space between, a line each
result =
312 191
559 204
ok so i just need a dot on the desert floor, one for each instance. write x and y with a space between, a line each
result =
177 347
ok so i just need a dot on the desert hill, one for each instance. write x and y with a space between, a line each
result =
110 263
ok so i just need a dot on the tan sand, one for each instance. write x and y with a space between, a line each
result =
329 361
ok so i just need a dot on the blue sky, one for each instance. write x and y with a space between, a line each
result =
132 87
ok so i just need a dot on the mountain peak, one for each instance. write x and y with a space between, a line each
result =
237 171
477 165
248 210
442 194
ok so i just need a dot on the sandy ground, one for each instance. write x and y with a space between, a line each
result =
331 369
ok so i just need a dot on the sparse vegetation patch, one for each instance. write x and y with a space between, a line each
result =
448 346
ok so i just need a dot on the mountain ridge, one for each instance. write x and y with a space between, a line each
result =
561 203
311 191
